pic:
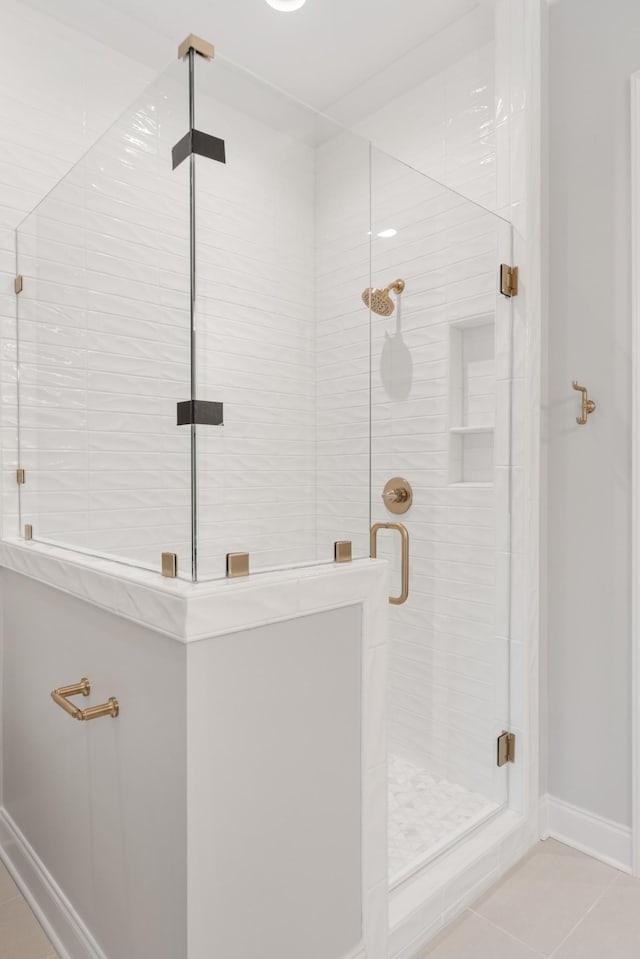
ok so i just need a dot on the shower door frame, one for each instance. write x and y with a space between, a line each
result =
635 481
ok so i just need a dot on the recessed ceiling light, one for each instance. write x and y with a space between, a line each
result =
385 234
286 6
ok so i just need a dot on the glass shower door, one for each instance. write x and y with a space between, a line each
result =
441 421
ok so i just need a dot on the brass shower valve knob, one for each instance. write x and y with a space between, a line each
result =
397 495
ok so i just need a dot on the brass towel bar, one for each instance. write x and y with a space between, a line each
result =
61 697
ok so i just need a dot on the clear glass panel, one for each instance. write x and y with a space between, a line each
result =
103 330
441 401
282 338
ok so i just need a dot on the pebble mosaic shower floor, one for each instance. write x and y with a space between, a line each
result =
426 815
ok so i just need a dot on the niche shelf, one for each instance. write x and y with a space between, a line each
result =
472 399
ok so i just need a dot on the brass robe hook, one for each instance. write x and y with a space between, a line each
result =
588 406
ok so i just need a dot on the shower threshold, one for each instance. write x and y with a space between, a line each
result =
427 816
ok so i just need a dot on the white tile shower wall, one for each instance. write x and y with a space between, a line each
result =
342 343
447 127
104 344
53 107
255 313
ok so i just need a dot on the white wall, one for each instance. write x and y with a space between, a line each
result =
593 51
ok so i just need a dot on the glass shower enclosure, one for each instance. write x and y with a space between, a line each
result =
201 376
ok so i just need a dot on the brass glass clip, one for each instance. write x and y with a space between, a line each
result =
588 406
61 697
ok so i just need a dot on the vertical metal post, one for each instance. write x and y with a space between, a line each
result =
18 383
192 333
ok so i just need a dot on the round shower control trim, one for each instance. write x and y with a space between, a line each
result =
397 495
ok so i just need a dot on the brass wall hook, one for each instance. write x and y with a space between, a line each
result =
588 406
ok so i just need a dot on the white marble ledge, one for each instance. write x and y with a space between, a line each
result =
188 612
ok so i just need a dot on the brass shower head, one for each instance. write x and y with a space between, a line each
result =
379 301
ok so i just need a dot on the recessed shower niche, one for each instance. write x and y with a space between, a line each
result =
472 401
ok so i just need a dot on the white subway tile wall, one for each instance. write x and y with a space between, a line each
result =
50 117
343 246
447 127
104 343
255 313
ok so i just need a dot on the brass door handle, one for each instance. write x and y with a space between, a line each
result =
61 697
588 406
373 552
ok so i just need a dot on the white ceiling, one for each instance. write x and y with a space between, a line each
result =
321 53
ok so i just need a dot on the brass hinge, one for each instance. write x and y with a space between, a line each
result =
18 283
21 477
506 748
508 280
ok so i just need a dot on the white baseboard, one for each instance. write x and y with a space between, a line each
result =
607 841
66 931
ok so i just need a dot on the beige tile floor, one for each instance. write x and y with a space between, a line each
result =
20 935
556 903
